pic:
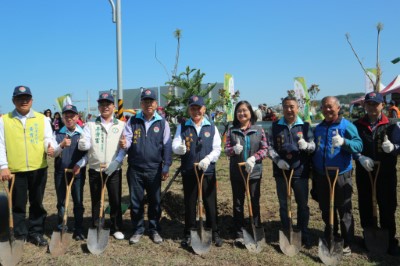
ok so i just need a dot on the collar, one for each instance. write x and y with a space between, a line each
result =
204 122
298 121
155 117
100 120
78 130
31 114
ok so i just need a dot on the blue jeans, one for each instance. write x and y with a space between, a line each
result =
300 191
149 180
77 197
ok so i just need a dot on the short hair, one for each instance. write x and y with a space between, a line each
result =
289 98
336 100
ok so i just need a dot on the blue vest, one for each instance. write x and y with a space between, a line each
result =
197 147
147 149
281 134
326 155
69 156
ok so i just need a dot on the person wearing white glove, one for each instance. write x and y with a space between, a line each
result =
112 167
387 146
198 141
181 149
337 140
250 162
282 164
381 138
245 143
291 144
238 148
367 163
101 140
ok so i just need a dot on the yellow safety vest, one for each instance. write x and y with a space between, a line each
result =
25 146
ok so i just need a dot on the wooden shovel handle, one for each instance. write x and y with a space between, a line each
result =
9 193
288 182
246 181
103 189
68 192
332 185
373 180
199 189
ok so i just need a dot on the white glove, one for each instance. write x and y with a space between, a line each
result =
387 146
337 140
181 150
203 164
82 144
367 163
238 148
282 164
250 162
302 143
112 167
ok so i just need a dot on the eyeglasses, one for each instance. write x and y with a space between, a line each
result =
23 98
240 111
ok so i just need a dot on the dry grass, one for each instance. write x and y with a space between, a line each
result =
170 252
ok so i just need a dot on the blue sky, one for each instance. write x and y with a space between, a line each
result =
59 47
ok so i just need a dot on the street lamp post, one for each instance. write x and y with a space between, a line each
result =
116 11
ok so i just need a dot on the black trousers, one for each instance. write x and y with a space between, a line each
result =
239 195
114 189
29 184
386 195
209 192
342 205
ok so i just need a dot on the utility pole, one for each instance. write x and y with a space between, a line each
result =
116 11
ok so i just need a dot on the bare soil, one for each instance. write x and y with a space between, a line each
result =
170 252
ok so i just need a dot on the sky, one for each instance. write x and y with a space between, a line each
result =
60 47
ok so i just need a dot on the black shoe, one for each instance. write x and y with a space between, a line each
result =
217 239
38 240
306 242
186 241
78 236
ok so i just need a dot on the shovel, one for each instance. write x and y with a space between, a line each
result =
289 240
254 243
10 251
200 238
376 239
331 251
60 240
98 237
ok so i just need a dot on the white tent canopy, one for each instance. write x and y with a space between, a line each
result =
393 87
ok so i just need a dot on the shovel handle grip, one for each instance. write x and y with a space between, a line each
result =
199 190
9 193
246 181
332 184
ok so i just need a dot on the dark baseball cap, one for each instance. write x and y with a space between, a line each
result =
70 108
373 97
106 97
148 94
21 90
196 100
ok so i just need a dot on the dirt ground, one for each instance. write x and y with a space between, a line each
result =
170 252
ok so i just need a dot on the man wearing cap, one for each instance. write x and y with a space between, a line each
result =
381 141
68 156
336 140
393 110
198 141
291 144
25 136
148 144
101 139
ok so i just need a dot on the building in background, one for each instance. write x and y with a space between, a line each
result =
132 96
